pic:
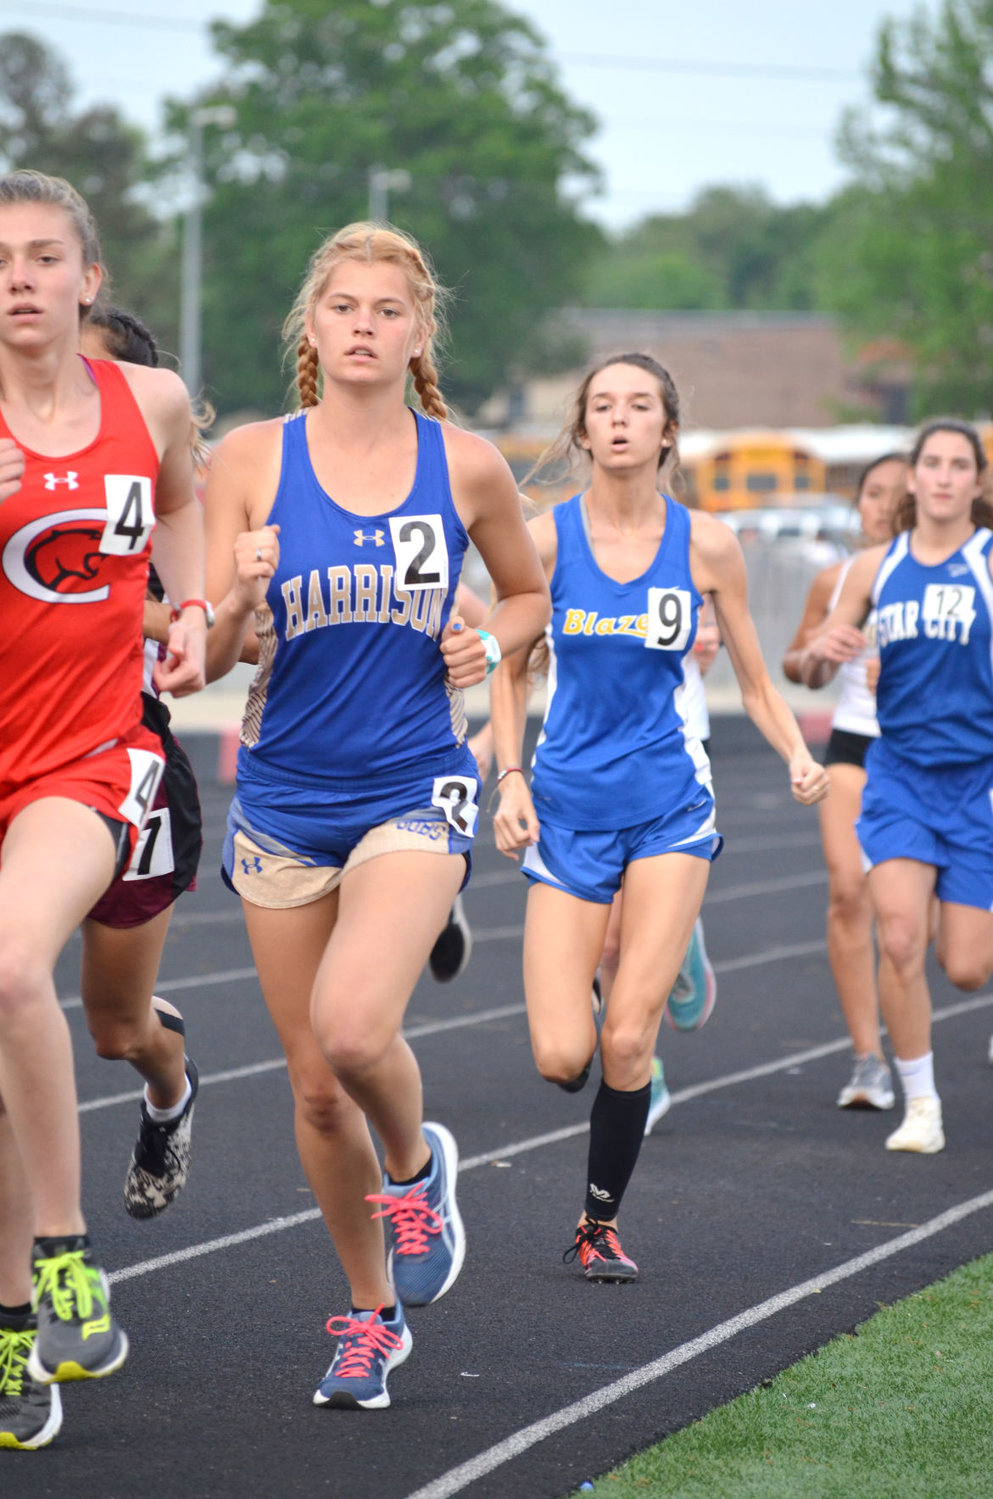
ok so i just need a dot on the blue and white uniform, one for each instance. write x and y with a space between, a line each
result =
352 734
618 772
929 794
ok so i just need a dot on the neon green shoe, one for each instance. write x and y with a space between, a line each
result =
30 1413
77 1336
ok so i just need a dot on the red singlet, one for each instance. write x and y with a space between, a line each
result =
74 550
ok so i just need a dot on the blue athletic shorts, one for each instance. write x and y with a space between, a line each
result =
940 815
288 844
591 865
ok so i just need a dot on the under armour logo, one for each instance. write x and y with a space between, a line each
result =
252 866
71 478
379 537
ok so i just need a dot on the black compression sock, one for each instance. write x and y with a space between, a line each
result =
617 1129
17 1318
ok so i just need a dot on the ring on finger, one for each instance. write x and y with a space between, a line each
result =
258 554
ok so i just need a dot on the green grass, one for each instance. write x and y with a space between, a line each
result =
900 1409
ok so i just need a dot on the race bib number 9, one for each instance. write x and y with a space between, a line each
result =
456 796
421 552
670 619
130 514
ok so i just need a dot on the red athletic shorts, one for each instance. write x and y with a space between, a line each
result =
120 782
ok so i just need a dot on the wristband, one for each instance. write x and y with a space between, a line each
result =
492 648
510 771
208 612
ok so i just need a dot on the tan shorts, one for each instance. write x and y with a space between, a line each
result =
281 880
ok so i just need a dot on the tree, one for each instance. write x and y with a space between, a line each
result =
911 252
733 248
103 157
460 95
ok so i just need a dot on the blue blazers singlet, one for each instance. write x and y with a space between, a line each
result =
351 682
614 748
935 693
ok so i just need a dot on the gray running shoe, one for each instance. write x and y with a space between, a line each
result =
160 1161
77 1337
30 1413
870 1086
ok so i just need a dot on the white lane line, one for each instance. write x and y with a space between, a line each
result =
194 981
764 887
459 1478
502 1153
253 1069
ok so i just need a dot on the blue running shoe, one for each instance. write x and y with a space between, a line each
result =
424 1233
660 1099
692 999
368 1350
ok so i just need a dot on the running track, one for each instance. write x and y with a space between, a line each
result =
764 1220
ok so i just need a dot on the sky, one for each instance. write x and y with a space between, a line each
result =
687 95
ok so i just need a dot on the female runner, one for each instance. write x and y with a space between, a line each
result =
621 790
350 834
926 826
124 934
853 728
92 457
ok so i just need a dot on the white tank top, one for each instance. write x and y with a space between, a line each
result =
856 710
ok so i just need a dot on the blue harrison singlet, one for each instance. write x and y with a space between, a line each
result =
935 694
615 749
351 686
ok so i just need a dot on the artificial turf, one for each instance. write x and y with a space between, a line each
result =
900 1409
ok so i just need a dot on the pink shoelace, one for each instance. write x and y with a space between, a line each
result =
365 1340
410 1219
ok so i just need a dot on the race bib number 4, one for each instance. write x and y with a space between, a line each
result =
146 773
130 514
421 552
456 796
670 619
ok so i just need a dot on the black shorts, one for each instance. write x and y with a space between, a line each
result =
846 748
165 860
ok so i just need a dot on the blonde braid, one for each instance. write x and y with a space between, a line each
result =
426 384
307 373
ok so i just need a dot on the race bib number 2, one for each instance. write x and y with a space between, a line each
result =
421 552
456 796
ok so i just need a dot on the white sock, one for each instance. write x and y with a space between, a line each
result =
917 1076
168 1116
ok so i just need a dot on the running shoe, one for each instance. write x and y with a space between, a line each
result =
921 1129
692 999
452 950
160 1161
599 1251
30 1413
77 1337
424 1233
660 1099
368 1350
870 1085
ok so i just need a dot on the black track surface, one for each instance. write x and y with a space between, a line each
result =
745 1190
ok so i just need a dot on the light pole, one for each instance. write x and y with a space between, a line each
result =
189 295
383 180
